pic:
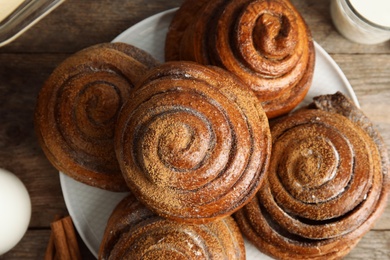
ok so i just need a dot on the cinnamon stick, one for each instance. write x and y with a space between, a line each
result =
50 250
63 241
60 240
71 238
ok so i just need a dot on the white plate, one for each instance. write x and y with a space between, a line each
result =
90 207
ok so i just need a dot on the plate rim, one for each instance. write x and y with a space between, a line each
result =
339 71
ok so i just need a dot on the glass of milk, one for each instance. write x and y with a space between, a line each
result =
362 21
16 16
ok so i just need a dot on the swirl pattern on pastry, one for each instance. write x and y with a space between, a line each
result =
134 232
265 43
194 144
77 109
327 183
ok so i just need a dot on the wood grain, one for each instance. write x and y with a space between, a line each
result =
33 246
77 24
375 245
21 77
28 61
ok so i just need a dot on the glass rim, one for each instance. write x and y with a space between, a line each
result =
24 17
358 15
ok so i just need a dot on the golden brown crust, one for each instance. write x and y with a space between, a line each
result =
265 43
134 232
194 144
338 103
327 183
77 108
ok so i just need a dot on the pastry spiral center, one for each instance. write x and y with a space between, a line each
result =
270 36
174 144
315 163
101 103
309 164
176 140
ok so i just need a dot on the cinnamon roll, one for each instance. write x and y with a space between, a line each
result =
267 44
327 183
134 232
194 143
77 108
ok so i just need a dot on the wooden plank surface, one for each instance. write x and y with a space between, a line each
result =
77 24
29 60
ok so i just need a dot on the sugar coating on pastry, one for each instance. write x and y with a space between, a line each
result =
77 108
135 232
194 143
267 44
326 186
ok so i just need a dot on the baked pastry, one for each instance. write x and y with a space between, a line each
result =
267 44
134 232
194 143
77 108
327 183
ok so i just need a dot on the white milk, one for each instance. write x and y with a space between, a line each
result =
7 7
362 21
374 11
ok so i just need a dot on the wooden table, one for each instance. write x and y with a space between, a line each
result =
29 60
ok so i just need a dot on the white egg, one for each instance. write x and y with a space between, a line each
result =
15 210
